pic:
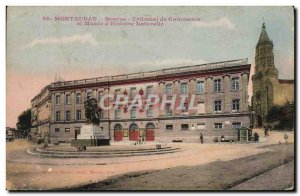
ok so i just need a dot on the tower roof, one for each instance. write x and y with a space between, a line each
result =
263 35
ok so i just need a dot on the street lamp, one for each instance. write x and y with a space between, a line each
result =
252 118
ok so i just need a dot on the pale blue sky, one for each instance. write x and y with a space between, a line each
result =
132 48
37 50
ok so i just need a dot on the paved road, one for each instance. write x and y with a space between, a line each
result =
279 178
219 175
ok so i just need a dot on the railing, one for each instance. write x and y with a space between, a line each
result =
151 73
77 82
201 67
118 77
135 75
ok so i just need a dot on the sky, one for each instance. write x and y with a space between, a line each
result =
39 51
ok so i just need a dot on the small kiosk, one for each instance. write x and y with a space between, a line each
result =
243 134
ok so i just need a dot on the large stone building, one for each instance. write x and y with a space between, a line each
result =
268 90
219 89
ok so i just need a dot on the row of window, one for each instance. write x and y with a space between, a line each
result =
77 98
77 130
184 127
133 91
200 88
58 130
235 105
201 126
133 113
201 107
168 111
68 115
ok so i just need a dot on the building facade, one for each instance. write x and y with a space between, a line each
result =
218 90
268 90
12 133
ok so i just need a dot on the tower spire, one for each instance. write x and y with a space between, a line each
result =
263 35
264 57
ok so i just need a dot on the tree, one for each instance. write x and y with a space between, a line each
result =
283 115
24 122
275 113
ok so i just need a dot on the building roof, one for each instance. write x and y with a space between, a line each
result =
157 73
263 35
41 92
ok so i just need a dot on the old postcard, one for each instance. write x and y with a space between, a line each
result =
150 98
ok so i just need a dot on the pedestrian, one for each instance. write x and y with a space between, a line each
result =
222 138
286 137
256 137
265 131
201 138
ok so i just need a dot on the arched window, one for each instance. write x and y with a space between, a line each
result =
150 126
133 127
118 127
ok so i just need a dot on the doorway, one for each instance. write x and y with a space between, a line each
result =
118 133
133 132
150 132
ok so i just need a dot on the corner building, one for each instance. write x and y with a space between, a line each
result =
221 104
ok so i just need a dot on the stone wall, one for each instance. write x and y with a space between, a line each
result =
284 93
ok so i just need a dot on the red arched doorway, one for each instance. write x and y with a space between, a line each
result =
150 132
118 133
133 132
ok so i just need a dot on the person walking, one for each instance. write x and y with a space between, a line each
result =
266 131
286 137
201 138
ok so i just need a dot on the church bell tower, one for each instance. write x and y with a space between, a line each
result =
264 78
264 57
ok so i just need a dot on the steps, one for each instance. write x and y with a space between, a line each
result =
48 153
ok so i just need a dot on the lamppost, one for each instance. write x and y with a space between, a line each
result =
252 118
